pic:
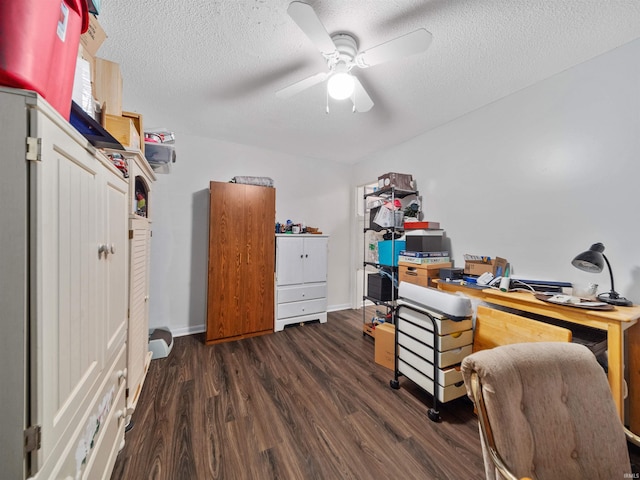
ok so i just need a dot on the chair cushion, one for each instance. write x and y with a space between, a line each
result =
551 411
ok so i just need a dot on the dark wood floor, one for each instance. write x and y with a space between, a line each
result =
305 403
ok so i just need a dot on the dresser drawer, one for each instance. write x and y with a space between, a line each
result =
445 358
110 440
420 274
111 414
295 309
298 293
444 394
445 376
100 433
447 342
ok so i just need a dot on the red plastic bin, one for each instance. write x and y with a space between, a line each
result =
39 45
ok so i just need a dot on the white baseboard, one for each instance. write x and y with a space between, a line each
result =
190 330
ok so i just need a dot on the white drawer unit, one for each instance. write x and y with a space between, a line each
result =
301 279
430 344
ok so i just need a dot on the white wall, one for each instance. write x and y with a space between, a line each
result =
539 176
535 177
317 193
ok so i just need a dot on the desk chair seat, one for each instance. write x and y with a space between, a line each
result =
545 411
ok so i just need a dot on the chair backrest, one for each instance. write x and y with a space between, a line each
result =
547 412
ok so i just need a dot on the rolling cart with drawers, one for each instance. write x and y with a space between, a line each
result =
434 332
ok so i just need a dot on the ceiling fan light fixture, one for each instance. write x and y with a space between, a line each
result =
340 85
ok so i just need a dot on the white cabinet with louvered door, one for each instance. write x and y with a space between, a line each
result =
63 297
140 208
301 279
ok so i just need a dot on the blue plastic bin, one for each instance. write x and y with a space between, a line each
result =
384 251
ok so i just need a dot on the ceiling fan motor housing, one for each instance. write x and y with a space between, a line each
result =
346 49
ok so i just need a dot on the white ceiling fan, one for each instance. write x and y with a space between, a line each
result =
341 53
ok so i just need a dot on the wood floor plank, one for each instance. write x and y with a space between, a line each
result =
305 403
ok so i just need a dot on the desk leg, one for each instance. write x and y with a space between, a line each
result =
633 348
615 347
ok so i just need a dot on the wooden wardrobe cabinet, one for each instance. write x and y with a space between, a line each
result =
240 299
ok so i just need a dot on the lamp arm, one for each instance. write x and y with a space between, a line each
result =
613 293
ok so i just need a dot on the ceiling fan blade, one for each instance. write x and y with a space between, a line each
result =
306 18
361 100
409 44
301 85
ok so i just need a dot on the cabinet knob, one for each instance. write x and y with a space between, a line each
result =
121 374
112 248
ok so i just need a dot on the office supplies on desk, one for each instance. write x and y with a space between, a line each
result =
571 301
505 283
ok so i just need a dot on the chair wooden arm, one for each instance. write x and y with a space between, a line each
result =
485 429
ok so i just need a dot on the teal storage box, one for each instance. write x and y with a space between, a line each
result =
384 251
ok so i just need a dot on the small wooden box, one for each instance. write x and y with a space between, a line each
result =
124 130
420 274
137 122
108 86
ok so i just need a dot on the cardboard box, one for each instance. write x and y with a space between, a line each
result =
108 86
123 130
401 181
478 267
385 345
94 37
420 274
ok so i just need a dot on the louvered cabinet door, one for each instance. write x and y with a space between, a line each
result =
138 357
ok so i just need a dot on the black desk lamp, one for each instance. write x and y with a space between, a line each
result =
593 261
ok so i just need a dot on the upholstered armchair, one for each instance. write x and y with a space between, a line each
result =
545 412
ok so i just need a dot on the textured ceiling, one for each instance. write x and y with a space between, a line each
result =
211 68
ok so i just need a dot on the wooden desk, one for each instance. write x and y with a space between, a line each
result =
614 322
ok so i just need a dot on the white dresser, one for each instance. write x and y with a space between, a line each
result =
63 297
301 279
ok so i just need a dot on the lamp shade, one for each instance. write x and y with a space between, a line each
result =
592 260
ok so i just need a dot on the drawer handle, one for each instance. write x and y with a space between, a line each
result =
120 415
409 272
122 375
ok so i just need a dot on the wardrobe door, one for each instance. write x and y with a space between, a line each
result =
226 249
258 267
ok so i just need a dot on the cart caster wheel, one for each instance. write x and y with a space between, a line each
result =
395 384
433 415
